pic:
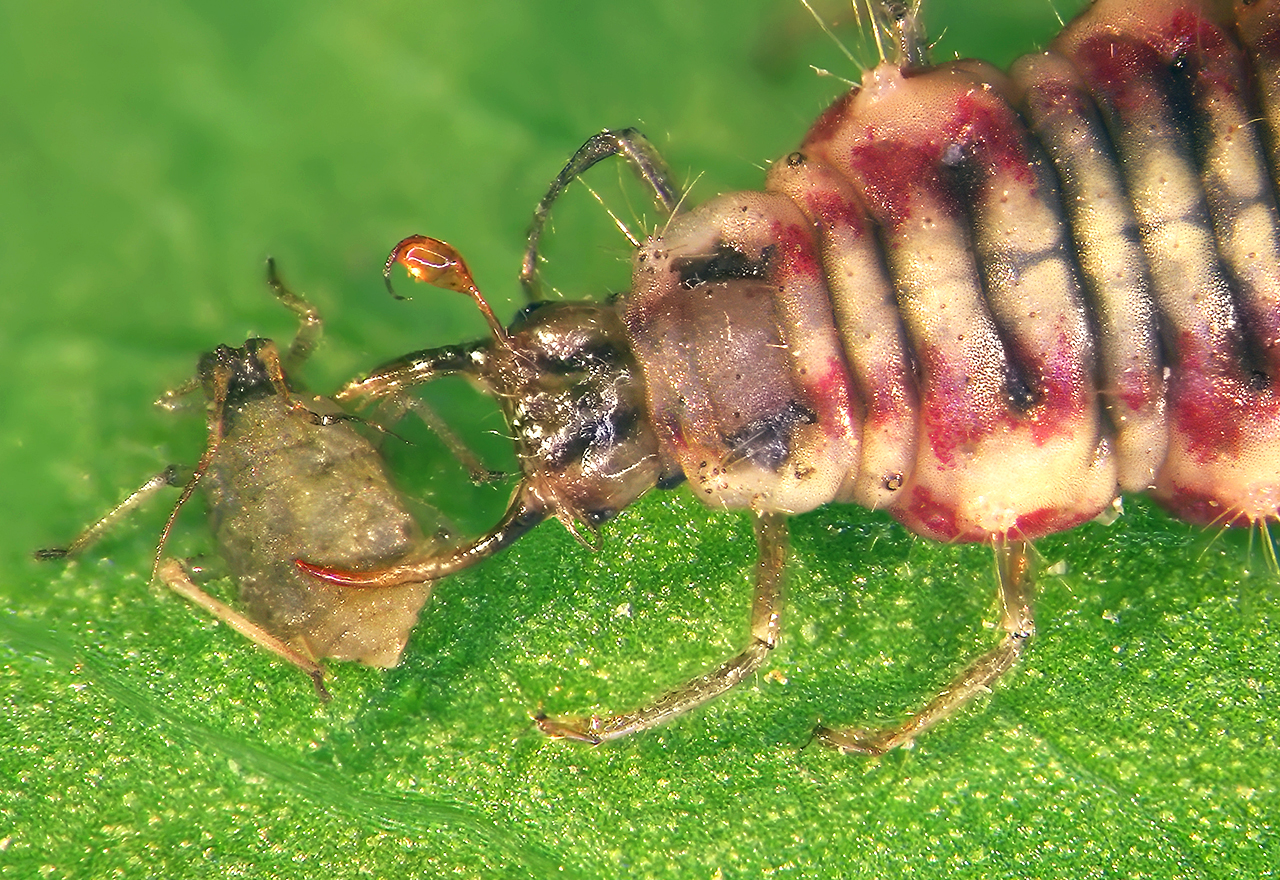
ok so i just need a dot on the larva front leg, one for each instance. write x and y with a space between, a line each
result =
766 627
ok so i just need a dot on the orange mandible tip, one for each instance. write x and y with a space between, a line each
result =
437 263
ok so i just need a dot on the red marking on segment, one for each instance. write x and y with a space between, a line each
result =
979 131
831 120
796 256
1058 98
1212 404
1266 46
1136 390
1063 388
1192 35
926 515
1206 399
987 127
933 518
1048 521
894 175
889 396
1202 508
829 210
953 417
1123 72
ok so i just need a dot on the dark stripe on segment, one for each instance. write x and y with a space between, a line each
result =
1130 373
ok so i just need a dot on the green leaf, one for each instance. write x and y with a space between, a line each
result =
153 154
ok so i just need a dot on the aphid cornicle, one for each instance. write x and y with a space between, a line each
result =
287 475
985 303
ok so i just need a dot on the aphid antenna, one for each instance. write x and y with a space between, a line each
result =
175 399
310 325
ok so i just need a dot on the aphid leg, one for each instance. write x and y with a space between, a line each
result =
632 146
177 579
397 405
1013 566
391 381
766 611
310 326
175 399
170 476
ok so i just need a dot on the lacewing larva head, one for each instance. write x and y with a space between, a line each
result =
570 391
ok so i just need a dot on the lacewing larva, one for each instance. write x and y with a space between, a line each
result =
986 303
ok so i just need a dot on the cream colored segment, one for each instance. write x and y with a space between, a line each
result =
1258 24
989 491
1193 295
1238 188
1031 287
1168 201
866 314
1117 282
1252 235
1246 481
824 456
1163 182
935 271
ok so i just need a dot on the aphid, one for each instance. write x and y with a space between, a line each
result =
286 475
985 303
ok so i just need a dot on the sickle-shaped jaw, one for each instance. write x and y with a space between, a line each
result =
522 515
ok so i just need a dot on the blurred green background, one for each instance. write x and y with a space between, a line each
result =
152 154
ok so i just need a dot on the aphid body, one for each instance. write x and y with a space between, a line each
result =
289 475
985 303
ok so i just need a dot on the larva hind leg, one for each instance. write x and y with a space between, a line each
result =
177 579
766 611
1019 626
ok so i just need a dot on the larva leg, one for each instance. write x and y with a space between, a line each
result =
632 146
766 609
177 579
1019 626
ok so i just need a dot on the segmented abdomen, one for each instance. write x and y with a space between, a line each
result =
989 303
